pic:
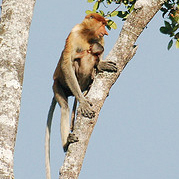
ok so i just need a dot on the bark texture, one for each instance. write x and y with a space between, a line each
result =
121 53
15 22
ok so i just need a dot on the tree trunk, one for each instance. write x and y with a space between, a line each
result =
15 22
121 53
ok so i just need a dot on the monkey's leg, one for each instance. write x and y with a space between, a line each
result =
74 110
73 115
64 123
63 102
107 66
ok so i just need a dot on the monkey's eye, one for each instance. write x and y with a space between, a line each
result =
91 17
104 23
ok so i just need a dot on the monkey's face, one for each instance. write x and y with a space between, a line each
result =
101 31
96 24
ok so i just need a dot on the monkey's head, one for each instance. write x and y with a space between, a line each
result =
96 49
95 24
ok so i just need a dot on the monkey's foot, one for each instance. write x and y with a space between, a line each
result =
86 110
71 139
107 66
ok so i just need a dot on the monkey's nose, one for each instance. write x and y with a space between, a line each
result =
106 33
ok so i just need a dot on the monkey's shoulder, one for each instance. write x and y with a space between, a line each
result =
76 40
76 28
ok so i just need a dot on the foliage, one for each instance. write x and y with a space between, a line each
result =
128 4
170 14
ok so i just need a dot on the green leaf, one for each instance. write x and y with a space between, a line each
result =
108 14
132 1
168 5
111 24
88 12
164 10
167 25
175 28
177 43
177 35
96 6
118 1
114 25
125 2
131 8
109 28
164 30
177 18
109 1
171 34
101 13
122 14
170 44
90 1
115 13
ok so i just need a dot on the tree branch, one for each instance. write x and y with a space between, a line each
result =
122 52
15 23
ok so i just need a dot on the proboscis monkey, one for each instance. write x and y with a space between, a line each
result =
74 74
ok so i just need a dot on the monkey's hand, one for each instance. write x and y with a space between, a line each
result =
85 109
107 66
71 139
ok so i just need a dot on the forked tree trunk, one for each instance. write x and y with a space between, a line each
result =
121 53
16 16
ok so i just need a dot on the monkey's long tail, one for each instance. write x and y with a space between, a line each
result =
47 137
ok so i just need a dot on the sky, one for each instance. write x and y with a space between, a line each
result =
137 133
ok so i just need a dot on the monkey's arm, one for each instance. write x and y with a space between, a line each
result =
72 83
107 66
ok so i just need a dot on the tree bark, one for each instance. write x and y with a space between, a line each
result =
15 22
122 52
